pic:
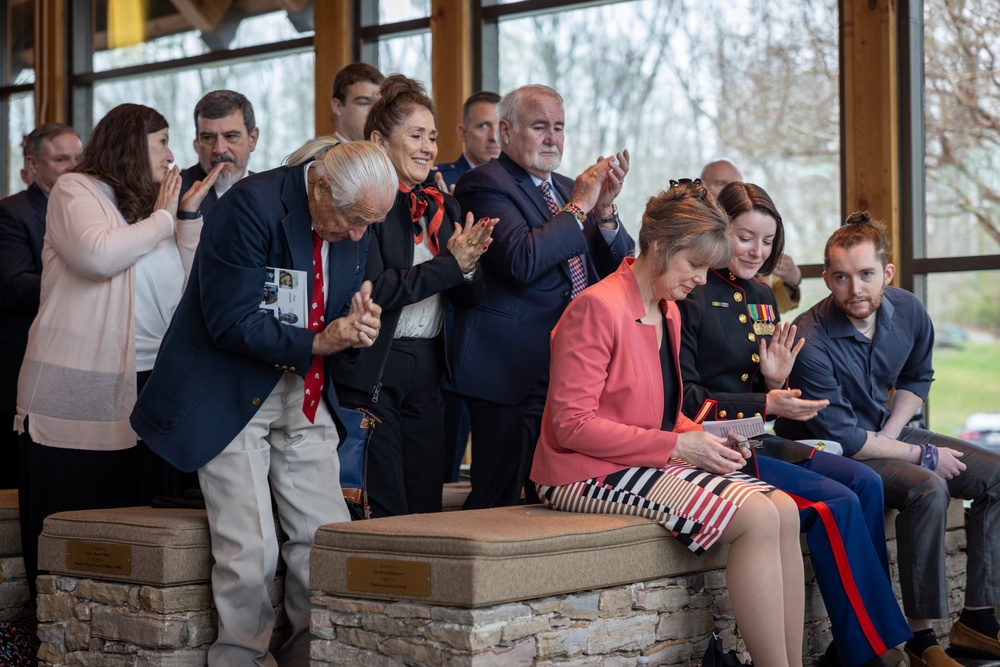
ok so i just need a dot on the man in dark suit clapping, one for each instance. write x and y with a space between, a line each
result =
555 237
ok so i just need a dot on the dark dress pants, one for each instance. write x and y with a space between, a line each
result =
406 452
503 447
922 498
8 451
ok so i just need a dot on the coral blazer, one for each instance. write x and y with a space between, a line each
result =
605 406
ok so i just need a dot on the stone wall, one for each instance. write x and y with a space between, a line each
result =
108 624
15 599
668 620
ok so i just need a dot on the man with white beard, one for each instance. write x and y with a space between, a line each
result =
555 237
225 132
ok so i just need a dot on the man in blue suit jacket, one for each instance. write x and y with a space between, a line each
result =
225 131
49 151
543 253
229 396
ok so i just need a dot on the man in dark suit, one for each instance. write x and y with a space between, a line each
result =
225 131
478 132
247 400
49 151
555 236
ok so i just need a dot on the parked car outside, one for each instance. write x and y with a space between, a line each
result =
983 428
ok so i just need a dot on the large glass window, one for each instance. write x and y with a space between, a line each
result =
961 47
161 33
394 11
682 83
965 307
962 58
280 89
17 74
409 55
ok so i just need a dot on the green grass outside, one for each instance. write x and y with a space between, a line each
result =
966 380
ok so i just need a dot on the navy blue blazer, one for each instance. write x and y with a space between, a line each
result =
22 228
397 283
450 171
221 358
500 348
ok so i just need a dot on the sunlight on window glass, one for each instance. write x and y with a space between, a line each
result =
682 83
21 110
409 55
280 89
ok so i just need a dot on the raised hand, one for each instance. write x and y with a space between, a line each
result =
170 190
359 328
469 243
200 189
777 359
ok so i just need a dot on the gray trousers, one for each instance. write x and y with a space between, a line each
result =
922 498
279 451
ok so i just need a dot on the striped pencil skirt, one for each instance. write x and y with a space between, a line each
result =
694 505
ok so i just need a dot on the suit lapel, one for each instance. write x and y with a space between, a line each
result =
297 224
527 186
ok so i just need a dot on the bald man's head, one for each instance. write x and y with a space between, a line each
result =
717 175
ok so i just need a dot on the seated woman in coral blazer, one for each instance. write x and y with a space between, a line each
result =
613 440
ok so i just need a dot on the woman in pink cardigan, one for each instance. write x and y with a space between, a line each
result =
614 441
118 247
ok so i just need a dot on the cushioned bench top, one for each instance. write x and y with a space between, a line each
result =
483 557
10 531
141 545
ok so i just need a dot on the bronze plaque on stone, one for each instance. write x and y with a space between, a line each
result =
389 577
99 557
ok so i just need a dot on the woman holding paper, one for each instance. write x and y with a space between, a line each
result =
613 440
421 259
735 358
119 243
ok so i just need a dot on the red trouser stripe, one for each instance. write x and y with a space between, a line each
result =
844 570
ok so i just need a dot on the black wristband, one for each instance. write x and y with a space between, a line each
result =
188 215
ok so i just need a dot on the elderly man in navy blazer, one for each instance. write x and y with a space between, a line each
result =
49 151
248 400
555 237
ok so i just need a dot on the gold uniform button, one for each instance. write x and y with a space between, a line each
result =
737 297
739 415
277 366
756 414
744 377
722 413
743 319
755 358
255 400
291 368
751 337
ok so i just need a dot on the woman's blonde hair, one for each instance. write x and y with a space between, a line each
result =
685 217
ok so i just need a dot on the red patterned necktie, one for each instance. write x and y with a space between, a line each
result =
314 378
418 204
577 274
